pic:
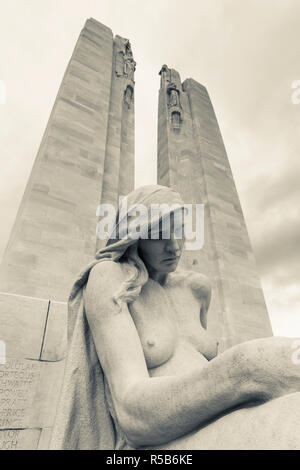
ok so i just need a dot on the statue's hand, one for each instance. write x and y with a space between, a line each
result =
270 366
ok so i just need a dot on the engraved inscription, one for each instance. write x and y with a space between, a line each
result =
18 382
9 439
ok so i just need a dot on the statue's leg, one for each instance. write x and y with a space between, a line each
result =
271 425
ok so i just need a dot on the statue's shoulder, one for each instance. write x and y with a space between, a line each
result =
104 280
199 284
108 271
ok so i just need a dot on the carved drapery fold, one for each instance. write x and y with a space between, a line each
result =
128 96
125 64
174 105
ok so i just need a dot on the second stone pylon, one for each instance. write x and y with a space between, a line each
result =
192 159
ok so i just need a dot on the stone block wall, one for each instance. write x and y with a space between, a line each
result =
35 333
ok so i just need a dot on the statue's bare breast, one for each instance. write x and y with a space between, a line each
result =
167 319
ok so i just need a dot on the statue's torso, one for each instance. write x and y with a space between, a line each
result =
167 319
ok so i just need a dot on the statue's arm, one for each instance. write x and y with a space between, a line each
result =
155 410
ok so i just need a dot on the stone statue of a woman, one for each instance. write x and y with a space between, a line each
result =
166 387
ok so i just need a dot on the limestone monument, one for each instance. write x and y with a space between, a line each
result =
86 158
192 159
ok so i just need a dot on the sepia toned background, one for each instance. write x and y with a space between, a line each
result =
247 55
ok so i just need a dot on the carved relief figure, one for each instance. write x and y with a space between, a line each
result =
173 96
175 120
128 96
128 51
162 383
129 69
165 74
174 105
125 64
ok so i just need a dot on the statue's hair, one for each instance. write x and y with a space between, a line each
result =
130 289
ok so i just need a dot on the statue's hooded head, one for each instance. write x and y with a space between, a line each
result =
147 235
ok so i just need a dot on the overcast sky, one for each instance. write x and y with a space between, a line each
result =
246 52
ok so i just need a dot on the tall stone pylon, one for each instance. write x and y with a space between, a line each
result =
192 159
86 158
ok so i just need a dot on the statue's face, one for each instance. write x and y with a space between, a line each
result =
162 255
